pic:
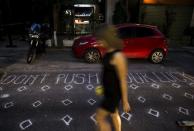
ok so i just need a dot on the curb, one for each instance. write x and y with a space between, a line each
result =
190 51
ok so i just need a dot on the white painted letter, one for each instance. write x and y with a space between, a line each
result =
20 79
8 79
93 76
79 77
31 79
43 79
59 77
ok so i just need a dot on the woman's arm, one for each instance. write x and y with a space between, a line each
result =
120 63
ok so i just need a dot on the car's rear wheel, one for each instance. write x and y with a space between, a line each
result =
92 56
157 56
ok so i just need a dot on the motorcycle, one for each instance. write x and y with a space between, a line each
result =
37 46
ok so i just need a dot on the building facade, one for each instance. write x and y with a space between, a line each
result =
80 16
172 17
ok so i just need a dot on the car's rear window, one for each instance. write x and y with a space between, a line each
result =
135 32
144 32
127 32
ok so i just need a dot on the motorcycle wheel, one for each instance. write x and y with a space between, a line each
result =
31 55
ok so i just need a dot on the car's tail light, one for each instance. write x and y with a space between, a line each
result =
165 41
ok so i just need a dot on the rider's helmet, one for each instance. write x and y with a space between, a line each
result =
35 28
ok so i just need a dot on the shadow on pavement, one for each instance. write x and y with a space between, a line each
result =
61 55
12 55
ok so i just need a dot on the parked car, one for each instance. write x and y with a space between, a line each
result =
140 41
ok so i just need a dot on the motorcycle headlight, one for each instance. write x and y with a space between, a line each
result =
33 36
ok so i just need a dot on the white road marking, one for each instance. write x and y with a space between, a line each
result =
25 124
167 96
67 102
22 88
184 111
93 118
36 104
8 105
154 112
45 88
68 87
91 101
141 99
67 120
90 87
126 116
133 86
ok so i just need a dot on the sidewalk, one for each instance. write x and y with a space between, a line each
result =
187 49
23 45
19 44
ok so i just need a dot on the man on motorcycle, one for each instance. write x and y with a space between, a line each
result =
44 30
38 35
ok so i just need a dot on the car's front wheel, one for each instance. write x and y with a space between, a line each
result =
92 56
157 56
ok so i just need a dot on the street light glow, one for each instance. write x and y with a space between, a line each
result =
150 1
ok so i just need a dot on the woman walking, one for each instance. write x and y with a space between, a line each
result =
114 79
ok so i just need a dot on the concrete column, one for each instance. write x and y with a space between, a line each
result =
110 7
108 11
192 20
55 38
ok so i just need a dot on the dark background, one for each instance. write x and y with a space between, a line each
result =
16 11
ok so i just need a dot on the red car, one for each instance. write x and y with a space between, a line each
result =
140 41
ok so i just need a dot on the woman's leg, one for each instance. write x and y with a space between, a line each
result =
101 117
116 120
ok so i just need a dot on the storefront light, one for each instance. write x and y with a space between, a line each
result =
67 12
84 5
83 14
81 22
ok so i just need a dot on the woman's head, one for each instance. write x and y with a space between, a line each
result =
107 34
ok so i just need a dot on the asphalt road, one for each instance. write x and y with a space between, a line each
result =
58 93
